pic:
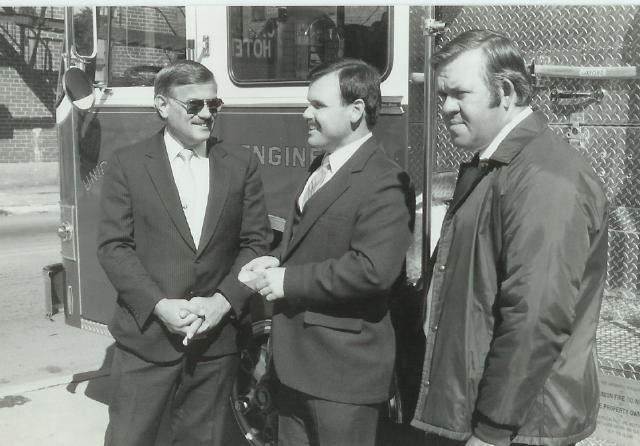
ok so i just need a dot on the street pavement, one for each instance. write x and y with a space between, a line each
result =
53 377
24 199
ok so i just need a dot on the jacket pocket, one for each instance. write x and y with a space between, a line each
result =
350 324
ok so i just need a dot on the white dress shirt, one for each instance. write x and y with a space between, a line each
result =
337 159
502 134
193 188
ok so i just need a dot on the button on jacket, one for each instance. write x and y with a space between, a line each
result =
516 294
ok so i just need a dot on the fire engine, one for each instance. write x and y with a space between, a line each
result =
583 60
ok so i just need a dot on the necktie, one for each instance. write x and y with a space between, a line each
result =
468 178
187 191
315 182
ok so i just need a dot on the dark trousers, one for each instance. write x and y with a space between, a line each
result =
307 421
436 440
179 403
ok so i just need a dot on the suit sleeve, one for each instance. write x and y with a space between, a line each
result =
380 239
255 237
546 243
117 247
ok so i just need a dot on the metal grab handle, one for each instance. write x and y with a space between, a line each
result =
568 71
594 95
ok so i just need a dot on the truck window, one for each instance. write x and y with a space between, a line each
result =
271 44
143 40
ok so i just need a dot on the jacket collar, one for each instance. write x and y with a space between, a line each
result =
472 172
530 127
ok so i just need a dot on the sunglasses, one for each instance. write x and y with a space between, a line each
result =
194 106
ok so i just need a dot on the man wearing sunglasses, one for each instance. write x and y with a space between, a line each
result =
180 215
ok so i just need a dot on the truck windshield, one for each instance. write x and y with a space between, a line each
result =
142 41
282 44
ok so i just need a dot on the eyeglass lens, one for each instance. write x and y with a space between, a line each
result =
194 106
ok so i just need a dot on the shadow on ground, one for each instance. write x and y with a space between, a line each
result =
99 382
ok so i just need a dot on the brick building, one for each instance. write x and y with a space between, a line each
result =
30 52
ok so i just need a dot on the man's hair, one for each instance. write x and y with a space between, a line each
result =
502 61
182 72
358 80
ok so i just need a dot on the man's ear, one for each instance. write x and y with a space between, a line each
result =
161 105
508 95
357 111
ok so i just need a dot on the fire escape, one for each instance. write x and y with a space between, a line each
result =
30 40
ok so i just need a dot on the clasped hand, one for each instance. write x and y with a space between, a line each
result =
264 275
192 318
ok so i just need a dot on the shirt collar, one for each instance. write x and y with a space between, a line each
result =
341 155
174 147
502 134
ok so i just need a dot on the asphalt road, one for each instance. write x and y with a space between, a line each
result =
28 242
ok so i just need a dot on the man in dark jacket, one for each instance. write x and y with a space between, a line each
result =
342 249
180 215
520 268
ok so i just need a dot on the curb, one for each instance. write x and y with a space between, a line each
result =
7 211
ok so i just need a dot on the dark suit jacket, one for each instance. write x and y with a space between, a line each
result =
332 335
148 253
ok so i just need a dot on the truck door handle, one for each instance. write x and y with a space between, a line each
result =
65 231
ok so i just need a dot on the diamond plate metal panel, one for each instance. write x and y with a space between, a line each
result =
568 35
617 342
624 219
614 153
618 333
624 263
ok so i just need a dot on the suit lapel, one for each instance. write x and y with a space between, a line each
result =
159 169
218 191
288 229
328 194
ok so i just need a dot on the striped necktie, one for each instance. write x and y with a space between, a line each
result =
314 183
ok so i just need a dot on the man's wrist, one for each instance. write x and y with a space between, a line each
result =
158 304
229 310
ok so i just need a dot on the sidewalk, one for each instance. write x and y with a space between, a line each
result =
53 383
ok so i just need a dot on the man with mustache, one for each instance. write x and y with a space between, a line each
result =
342 249
180 215
518 275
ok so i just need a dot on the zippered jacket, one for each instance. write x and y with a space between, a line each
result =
516 291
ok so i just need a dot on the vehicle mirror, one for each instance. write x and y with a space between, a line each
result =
78 88
85 32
